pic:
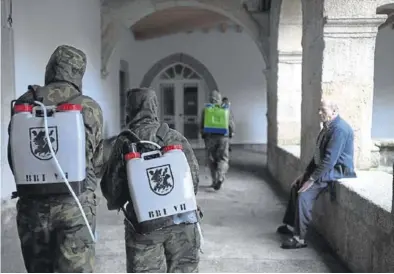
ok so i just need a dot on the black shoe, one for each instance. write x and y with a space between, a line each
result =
218 185
283 229
292 243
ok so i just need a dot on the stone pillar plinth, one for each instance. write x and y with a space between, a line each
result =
289 98
339 64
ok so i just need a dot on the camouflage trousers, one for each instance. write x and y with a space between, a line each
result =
53 234
173 249
217 148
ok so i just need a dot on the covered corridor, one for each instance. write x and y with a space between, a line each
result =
239 228
275 61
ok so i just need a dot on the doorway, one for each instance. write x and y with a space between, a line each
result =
181 93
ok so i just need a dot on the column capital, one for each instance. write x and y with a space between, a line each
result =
353 27
290 57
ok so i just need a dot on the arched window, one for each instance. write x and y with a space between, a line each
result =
179 71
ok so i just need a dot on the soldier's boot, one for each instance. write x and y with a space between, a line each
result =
214 180
218 184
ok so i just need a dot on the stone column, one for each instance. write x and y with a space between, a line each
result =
338 62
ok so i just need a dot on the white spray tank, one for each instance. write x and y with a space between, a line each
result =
162 186
42 144
34 169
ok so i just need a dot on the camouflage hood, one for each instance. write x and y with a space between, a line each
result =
215 97
141 109
66 64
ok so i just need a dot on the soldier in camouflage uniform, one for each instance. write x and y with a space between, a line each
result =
174 248
217 146
52 231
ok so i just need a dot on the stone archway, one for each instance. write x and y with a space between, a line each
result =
183 58
338 65
285 80
285 76
122 12
333 39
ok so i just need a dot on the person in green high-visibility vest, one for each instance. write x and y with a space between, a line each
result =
216 125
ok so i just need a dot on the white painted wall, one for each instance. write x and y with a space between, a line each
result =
42 25
110 84
383 108
234 61
7 94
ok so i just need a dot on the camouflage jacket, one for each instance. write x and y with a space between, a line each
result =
141 118
63 81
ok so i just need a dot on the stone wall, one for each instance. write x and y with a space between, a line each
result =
284 164
359 224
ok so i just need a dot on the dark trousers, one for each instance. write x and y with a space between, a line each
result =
299 208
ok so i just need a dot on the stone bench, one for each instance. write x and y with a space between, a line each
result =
359 224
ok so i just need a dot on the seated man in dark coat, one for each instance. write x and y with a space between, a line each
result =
333 160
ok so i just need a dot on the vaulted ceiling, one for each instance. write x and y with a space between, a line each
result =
179 19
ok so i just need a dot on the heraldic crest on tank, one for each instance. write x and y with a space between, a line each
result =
39 145
161 180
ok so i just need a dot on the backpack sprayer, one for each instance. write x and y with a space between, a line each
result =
160 184
216 121
33 171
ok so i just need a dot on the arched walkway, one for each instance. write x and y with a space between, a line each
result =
127 13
